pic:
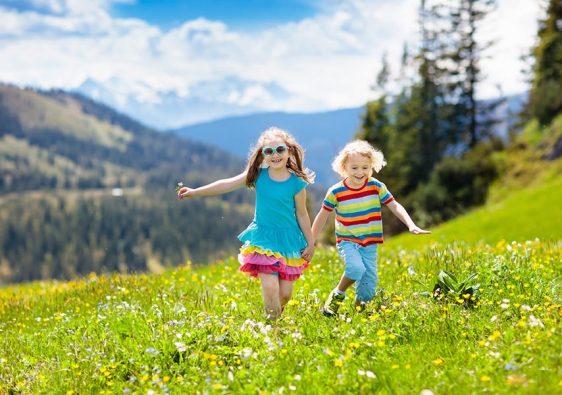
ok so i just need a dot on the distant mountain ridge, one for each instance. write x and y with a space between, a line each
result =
206 100
322 134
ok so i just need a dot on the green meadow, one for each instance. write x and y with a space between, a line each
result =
201 329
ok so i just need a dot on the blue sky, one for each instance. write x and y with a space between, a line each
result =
219 57
241 14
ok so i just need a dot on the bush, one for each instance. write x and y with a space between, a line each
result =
455 185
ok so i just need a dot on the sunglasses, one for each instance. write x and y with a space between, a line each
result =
267 151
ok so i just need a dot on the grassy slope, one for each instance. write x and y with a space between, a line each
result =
523 204
202 330
524 214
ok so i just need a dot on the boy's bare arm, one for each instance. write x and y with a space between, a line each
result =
319 223
400 212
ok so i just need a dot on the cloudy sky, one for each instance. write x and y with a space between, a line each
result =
292 55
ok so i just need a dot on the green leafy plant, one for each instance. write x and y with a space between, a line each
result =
448 286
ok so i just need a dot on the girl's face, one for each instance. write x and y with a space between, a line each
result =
275 160
358 168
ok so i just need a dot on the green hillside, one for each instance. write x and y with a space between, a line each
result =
523 204
61 156
202 330
525 214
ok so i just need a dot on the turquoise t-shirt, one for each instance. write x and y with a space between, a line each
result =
275 226
275 200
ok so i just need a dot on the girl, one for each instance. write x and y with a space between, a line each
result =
278 243
357 202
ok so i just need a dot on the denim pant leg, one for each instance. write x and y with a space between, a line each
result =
365 288
354 267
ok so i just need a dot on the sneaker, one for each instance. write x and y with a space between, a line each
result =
332 304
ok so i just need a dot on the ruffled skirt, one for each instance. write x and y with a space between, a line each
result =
272 250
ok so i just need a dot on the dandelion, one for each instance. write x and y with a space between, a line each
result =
438 362
495 336
484 378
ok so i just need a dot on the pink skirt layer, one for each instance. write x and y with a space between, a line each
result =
253 264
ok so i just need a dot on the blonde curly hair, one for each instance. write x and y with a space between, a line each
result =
358 147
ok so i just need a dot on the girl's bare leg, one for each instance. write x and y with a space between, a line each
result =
285 292
270 294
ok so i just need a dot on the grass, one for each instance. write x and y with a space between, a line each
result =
202 330
523 215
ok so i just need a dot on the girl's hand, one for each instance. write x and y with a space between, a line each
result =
418 231
308 253
185 192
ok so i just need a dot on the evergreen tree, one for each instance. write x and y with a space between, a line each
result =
471 121
546 91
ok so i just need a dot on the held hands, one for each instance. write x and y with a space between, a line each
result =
308 253
417 230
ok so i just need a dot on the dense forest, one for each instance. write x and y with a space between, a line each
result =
84 188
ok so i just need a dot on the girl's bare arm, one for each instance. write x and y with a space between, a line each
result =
218 187
304 223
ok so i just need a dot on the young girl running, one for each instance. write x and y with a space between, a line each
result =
278 244
357 202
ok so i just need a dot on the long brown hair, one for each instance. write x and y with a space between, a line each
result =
294 164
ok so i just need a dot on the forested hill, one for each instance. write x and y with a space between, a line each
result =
56 139
62 156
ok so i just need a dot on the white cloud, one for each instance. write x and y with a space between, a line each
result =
323 62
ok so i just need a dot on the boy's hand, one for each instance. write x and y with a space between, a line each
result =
185 192
418 231
308 253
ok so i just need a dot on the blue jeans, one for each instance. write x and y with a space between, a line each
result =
360 266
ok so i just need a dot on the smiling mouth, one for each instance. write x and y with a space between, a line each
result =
275 160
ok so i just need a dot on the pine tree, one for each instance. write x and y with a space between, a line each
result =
546 91
471 121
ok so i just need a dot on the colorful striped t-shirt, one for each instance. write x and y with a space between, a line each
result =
358 211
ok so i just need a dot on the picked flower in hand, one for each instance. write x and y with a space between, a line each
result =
179 185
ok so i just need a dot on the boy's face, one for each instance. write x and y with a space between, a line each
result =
276 160
358 168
